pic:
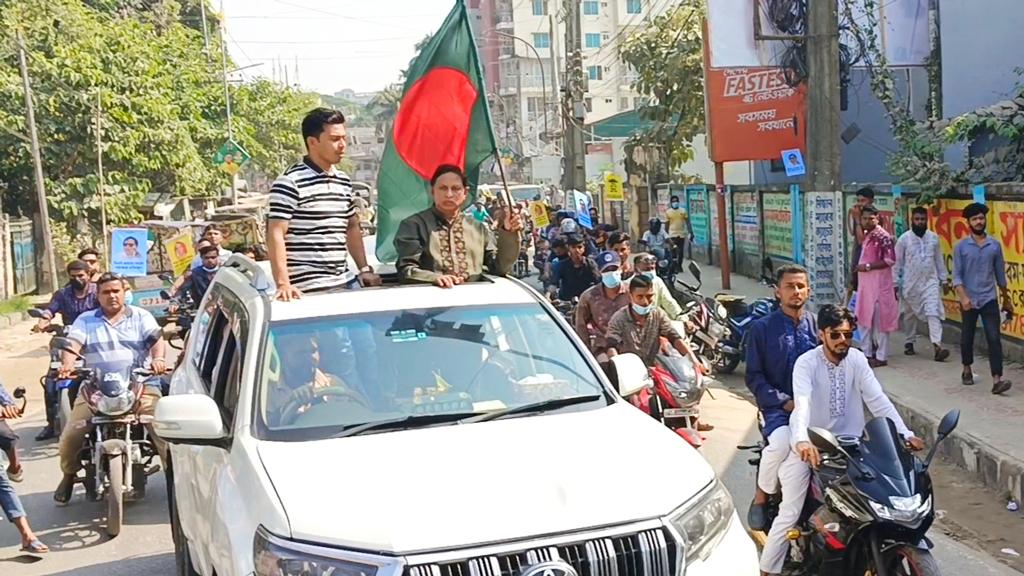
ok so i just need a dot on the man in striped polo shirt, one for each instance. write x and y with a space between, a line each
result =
313 224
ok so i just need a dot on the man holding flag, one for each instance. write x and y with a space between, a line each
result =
442 121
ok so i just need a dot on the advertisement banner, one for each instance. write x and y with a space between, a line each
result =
1007 225
713 231
539 214
582 203
753 114
746 222
946 219
778 225
613 191
697 208
181 251
128 249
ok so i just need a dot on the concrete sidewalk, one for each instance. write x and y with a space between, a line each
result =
986 442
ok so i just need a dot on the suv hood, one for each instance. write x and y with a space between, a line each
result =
456 486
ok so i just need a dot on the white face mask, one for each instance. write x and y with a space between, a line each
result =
611 279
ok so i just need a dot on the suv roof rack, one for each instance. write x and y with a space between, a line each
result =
252 270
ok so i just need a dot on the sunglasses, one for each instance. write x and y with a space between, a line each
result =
841 335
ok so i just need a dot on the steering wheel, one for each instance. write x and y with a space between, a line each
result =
308 393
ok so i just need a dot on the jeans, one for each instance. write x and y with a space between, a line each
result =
9 498
989 314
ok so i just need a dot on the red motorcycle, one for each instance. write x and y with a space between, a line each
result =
675 397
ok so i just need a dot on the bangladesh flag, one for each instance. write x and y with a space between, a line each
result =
442 119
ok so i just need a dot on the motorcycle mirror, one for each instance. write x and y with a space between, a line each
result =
946 427
165 294
36 313
695 270
166 277
824 440
19 392
64 345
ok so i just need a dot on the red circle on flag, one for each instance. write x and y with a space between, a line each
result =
432 124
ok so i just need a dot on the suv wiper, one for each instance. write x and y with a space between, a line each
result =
403 422
544 406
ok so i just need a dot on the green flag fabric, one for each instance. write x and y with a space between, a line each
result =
442 119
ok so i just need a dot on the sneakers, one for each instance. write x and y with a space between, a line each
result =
941 354
908 349
1001 386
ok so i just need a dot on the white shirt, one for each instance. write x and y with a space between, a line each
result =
833 397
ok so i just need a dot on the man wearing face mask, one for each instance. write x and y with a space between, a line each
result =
598 304
680 233
639 327
920 270
978 270
202 275
646 265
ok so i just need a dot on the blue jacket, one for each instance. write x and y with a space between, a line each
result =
775 343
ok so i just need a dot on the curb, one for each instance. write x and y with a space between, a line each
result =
987 464
8 320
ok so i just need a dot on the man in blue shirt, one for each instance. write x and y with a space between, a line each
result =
775 342
577 273
978 269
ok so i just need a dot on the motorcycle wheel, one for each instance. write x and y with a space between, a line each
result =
727 364
63 411
115 495
907 560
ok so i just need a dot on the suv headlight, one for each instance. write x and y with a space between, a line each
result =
273 556
703 524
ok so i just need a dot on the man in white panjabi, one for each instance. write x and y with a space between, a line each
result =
831 385
919 272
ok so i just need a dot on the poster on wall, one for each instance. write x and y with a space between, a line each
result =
128 248
697 208
713 224
778 225
746 222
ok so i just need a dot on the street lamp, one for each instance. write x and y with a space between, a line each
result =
543 82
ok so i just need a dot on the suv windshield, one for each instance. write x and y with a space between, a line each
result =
325 376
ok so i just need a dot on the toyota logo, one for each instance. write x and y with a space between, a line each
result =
552 568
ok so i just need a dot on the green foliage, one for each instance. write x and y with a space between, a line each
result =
668 58
163 108
14 305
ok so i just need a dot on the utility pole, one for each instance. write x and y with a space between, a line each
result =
50 282
227 95
556 68
573 153
823 97
99 165
206 31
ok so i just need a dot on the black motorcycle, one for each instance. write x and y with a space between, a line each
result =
868 508
60 393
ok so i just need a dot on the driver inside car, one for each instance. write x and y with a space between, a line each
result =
301 380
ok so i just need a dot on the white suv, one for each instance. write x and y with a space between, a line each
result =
415 431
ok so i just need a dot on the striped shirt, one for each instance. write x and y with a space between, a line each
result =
116 347
317 206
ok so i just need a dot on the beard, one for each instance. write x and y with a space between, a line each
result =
840 352
978 231
78 284
919 230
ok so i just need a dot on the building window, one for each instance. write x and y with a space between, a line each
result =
593 40
639 102
595 72
623 103
588 103
590 7
633 6
541 40
540 8
534 104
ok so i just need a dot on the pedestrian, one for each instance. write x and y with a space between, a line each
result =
865 197
9 500
978 269
479 212
680 232
655 240
313 226
921 271
877 310
445 246
576 274
8 438
774 343
598 304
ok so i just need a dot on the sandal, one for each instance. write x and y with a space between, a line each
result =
35 546
16 476
62 495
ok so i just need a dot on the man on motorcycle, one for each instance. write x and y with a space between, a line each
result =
831 385
75 298
91 256
201 277
598 304
639 327
114 338
773 346
618 242
646 265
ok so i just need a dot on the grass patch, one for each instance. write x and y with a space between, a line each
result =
14 305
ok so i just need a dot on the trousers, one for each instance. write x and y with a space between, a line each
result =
989 314
772 457
873 336
910 323
73 437
9 498
795 476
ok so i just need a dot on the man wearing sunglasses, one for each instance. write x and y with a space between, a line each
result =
831 385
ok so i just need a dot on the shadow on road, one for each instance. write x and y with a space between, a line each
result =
153 565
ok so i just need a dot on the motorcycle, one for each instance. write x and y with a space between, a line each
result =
118 453
675 396
65 389
707 317
739 315
181 311
868 508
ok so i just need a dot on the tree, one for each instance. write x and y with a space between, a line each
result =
668 57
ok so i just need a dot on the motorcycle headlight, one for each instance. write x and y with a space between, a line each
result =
720 311
703 523
115 405
902 509
273 556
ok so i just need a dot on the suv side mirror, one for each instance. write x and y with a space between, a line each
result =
191 419
824 440
631 375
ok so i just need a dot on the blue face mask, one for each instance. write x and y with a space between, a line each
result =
611 279
648 274
642 310
675 204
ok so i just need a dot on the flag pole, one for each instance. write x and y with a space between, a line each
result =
487 107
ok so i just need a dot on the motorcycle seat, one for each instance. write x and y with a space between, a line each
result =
729 298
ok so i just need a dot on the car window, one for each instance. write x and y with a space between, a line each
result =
201 326
213 346
325 374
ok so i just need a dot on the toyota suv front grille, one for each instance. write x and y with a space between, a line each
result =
648 553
